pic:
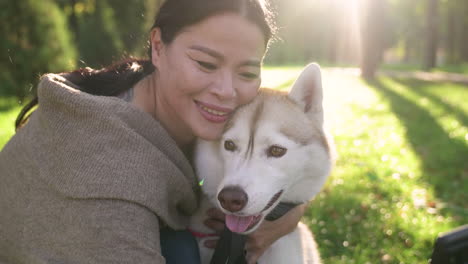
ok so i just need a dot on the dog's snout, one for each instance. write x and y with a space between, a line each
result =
232 198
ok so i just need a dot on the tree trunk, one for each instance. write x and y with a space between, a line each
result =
431 33
407 52
463 45
451 36
373 36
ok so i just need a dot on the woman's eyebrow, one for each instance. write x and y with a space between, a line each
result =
217 55
208 51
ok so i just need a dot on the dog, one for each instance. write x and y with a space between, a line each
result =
272 150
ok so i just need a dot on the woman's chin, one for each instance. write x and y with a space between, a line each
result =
210 133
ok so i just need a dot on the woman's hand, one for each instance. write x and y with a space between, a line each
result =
266 234
216 222
270 231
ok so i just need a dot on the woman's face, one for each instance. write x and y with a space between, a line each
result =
207 71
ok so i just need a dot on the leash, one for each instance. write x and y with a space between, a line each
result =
230 247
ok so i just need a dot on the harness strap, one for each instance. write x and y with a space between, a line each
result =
230 249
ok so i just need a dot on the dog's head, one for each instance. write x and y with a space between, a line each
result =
273 149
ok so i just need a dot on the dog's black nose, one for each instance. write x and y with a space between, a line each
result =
232 198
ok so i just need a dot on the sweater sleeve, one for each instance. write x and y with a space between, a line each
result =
100 231
102 147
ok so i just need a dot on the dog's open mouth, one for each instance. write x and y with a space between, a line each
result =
241 224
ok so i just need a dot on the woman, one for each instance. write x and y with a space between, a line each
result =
97 179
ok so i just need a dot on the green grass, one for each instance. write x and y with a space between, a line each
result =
9 109
461 68
401 176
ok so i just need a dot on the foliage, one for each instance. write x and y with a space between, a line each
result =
55 35
35 40
133 24
107 30
99 41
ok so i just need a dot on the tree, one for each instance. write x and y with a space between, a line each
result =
456 29
463 31
99 43
374 36
107 30
431 35
35 40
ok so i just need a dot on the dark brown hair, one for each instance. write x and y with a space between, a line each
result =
172 18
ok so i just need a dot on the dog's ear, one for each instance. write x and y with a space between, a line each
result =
307 92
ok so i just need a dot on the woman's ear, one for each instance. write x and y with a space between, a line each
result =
156 46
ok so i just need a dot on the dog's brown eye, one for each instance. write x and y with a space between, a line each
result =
276 151
229 145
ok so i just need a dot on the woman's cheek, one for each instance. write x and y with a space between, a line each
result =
249 92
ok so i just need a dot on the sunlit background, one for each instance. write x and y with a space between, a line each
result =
395 78
369 34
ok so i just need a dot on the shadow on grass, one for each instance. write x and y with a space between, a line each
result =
443 159
332 222
419 87
345 224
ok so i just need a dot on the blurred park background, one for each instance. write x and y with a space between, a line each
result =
395 75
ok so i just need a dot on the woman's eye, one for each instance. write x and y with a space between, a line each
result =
229 145
249 75
207 65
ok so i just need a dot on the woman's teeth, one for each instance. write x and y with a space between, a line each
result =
214 112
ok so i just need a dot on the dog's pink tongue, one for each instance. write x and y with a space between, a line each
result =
238 224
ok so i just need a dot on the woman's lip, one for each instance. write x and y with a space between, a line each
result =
215 107
213 114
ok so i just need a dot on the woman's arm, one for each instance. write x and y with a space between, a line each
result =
98 231
270 231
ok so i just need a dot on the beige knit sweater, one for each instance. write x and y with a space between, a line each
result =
90 179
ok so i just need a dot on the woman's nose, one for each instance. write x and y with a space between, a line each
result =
224 86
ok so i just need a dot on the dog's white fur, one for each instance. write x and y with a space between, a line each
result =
292 121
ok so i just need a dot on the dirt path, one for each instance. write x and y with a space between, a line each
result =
419 75
428 76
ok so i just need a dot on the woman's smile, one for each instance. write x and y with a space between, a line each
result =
213 113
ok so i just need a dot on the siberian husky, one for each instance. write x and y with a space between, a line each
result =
272 150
